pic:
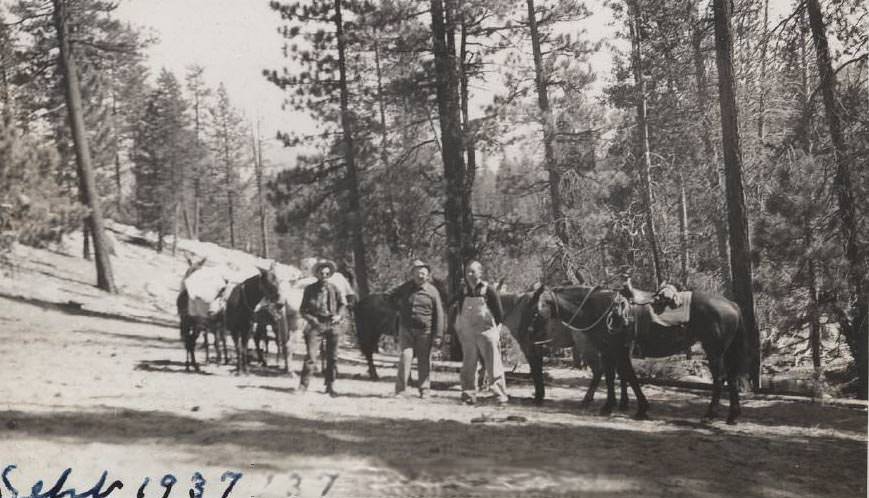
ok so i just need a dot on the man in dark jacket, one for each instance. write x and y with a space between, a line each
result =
421 325
322 306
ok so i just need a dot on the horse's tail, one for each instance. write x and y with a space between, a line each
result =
737 358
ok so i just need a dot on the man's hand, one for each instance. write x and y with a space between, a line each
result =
437 342
336 319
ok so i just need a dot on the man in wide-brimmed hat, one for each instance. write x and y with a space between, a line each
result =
322 306
421 325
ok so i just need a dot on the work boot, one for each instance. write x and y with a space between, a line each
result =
467 399
331 392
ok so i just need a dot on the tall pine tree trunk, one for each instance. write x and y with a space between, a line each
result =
447 91
643 126
468 249
549 162
683 230
856 330
740 247
356 215
84 164
393 233
715 176
230 195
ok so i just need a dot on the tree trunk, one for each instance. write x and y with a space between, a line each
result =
84 165
468 249
258 165
447 87
356 215
740 247
393 232
230 197
714 172
547 120
643 126
447 91
761 98
683 230
843 189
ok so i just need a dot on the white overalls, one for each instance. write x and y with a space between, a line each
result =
480 338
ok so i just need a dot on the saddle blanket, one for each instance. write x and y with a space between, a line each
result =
671 315
203 286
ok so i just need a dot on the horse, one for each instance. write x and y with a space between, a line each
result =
191 323
714 321
215 326
191 326
516 307
240 307
283 320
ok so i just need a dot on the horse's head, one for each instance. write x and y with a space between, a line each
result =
536 314
270 285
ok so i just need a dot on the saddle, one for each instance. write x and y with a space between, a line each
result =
667 306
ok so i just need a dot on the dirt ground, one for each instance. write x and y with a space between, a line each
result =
99 394
80 389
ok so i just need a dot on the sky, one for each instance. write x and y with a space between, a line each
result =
234 40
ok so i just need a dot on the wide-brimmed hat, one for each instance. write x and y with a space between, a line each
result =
417 263
325 263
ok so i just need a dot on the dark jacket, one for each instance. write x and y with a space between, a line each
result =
419 307
493 300
320 301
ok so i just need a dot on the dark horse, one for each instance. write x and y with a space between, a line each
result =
714 321
517 307
376 314
283 320
240 307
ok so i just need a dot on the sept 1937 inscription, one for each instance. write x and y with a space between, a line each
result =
100 489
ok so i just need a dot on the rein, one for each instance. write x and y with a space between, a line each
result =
607 314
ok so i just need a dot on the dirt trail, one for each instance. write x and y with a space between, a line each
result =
98 394
81 390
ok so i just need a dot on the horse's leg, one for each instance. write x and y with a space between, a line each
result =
223 344
260 334
629 375
205 340
193 337
625 403
609 368
716 367
185 338
535 362
596 372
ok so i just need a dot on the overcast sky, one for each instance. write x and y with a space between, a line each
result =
236 39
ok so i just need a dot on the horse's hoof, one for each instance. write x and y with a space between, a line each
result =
731 421
538 401
585 403
623 407
606 411
641 416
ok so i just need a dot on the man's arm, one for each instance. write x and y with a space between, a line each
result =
438 319
342 303
305 309
493 301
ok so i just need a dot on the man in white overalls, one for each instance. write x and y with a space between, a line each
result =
478 326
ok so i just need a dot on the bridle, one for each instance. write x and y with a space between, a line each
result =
607 315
